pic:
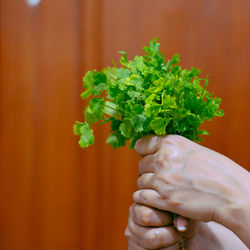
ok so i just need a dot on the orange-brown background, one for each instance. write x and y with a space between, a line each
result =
54 195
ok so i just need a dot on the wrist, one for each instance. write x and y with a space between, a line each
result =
204 239
237 217
234 212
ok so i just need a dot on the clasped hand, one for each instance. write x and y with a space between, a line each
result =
182 177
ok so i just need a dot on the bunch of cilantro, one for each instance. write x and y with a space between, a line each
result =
147 95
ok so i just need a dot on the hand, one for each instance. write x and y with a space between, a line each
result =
183 177
150 228
144 232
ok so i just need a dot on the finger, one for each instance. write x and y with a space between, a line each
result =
147 164
181 224
183 202
147 216
147 145
150 198
176 246
134 246
152 238
146 181
192 229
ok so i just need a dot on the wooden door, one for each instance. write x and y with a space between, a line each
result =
54 195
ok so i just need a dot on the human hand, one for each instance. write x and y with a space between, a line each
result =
150 228
144 232
185 178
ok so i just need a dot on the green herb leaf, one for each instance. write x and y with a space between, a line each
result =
146 95
158 124
85 132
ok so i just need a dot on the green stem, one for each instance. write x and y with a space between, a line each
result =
111 109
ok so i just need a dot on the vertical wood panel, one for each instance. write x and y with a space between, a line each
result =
17 128
53 195
39 98
238 85
92 158
55 200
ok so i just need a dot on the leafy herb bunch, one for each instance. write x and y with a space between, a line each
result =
147 95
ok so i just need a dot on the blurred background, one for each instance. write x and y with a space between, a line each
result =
54 195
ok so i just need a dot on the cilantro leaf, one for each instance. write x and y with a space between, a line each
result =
85 132
158 124
116 140
146 95
94 111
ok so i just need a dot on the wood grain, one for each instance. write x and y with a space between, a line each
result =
53 195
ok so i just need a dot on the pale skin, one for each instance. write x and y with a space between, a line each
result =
182 177
150 228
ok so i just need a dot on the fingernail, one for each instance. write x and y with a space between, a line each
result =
182 224
181 228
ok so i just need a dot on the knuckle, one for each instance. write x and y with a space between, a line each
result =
174 200
173 139
172 146
175 155
165 178
159 161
